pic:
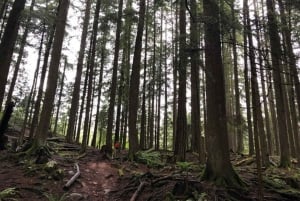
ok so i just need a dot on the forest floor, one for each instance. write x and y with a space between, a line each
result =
104 179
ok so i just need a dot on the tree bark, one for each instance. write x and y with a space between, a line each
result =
218 167
181 127
8 42
113 87
76 89
20 55
134 84
195 85
44 123
62 82
90 78
276 54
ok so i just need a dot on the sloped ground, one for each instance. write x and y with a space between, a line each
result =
102 179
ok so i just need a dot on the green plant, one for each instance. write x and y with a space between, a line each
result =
8 193
52 197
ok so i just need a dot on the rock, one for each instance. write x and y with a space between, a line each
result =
77 197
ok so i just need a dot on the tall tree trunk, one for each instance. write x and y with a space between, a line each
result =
276 54
175 73
90 77
76 89
83 98
33 88
143 116
113 87
218 167
62 82
262 80
44 123
181 127
246 77
20 55
134 84
238 116
256 105
293 74
99 92
7 44
37 105
159 84
195 85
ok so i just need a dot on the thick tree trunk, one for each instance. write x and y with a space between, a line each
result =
256 105
181 127
37 105
134 84
195 85
44 123
276 54
20 55
218 167
7 44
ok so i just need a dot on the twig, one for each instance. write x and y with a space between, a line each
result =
73 179
138 191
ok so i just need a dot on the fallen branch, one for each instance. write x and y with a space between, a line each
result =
162 178
73 179
138 191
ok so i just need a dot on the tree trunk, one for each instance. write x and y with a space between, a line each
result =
276 54
195 85
44 123
143 116
181 127
7 44
76 89
134 84
20 55
247 87
256 105
62 82
99 91
293 75
238 116
90 78
218 167
33 88
37 105
113 87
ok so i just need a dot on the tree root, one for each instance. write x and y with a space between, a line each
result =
138 191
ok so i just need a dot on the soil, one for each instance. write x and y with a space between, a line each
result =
105 179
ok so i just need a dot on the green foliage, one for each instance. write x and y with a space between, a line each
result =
149 157
184 166
8 193
52 197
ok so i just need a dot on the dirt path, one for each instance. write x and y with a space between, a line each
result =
97 178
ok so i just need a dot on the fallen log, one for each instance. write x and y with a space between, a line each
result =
73 179
138 191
